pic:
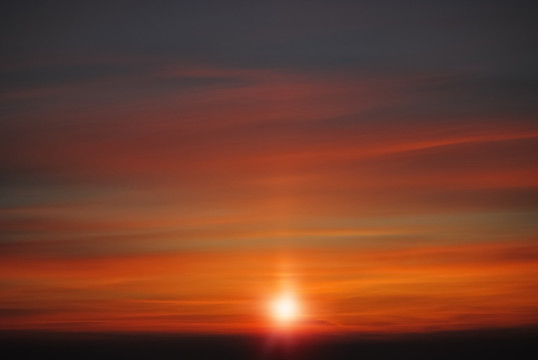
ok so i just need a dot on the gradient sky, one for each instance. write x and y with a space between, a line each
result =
172 165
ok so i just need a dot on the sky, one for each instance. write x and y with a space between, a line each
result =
171 166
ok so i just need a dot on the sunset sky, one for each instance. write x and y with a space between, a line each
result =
172 166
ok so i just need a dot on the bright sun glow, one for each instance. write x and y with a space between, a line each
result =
285 308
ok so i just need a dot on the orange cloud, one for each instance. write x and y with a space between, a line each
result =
182 204
365 290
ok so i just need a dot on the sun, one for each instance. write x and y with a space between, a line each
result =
285 308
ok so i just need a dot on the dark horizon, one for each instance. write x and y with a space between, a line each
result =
520 343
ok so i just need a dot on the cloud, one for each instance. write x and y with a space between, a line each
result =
178 152
375 289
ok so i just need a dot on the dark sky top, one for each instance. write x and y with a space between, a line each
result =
494 37
489 48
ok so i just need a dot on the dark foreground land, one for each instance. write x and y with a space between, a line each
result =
499 344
